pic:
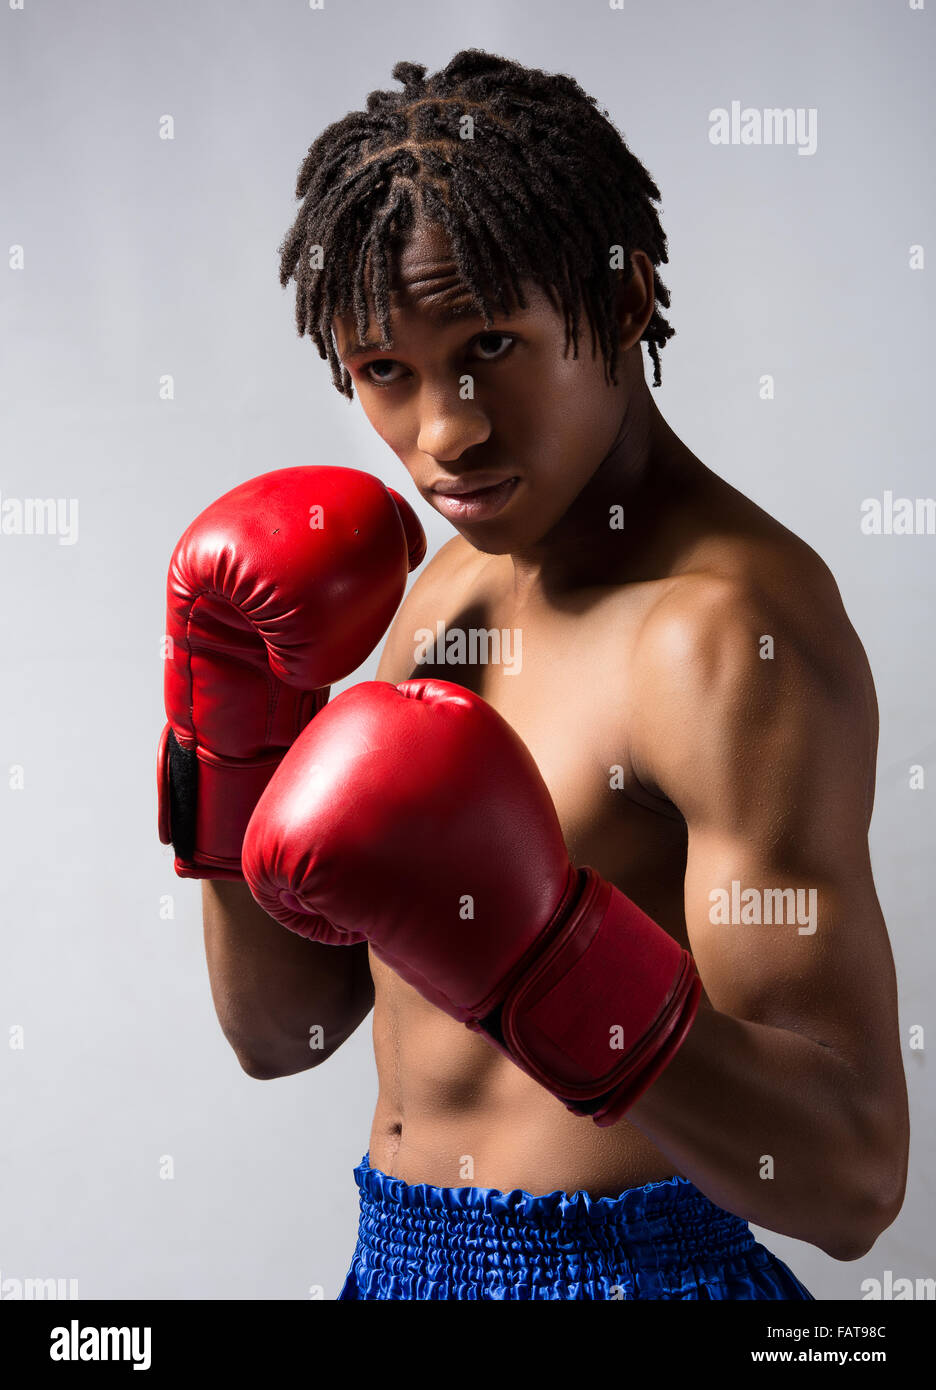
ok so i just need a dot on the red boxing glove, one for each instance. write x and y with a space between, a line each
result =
278 589
415 815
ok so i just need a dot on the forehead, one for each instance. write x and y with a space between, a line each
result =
425 281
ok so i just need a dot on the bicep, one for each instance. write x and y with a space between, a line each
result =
793 941
771 765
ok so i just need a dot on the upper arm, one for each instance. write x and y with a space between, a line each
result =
768 752
424 603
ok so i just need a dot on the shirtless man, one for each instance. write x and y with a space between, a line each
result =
702 714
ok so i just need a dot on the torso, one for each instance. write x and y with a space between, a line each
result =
451 1110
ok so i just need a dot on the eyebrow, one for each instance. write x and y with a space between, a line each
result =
371 345
449 316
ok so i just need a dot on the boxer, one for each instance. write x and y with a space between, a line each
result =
612 905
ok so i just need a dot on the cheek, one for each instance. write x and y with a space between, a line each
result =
570 429
372 410
386 425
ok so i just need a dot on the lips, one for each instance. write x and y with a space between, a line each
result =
463 500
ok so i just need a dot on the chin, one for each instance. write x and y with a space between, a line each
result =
489 540
487 545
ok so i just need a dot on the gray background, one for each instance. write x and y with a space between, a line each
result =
145 257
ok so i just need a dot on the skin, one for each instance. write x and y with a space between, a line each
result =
642 651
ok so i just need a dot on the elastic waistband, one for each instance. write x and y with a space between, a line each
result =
671 1214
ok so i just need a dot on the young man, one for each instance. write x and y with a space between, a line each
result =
699 711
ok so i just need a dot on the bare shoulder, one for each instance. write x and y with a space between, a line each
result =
750 594
455 559
453 570
750 649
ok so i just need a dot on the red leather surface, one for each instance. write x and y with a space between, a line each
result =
275 591
415 816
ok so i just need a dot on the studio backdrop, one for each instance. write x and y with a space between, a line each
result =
150 362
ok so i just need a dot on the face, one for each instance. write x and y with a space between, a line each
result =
498 428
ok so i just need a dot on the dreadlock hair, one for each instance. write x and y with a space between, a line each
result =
543 189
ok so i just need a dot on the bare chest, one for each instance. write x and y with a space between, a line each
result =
565 683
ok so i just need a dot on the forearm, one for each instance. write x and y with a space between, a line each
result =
775 1128
284 1003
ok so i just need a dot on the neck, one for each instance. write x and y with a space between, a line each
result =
637 478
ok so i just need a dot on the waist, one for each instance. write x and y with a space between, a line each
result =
537 1146
660 1222
661 1240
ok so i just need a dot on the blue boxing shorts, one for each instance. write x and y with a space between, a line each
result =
664 1240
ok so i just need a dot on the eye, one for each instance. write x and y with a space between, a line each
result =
494 333
381 379
492 346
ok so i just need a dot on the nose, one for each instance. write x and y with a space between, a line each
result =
448 426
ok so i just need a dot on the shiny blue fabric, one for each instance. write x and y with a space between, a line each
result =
664 1240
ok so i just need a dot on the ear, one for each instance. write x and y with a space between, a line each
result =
635 299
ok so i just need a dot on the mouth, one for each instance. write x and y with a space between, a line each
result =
455 500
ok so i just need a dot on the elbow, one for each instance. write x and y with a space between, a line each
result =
292 1055
872 1208
266 1065
854 1239
255 1060
256 1068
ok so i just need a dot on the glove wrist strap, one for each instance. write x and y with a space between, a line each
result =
604 1007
